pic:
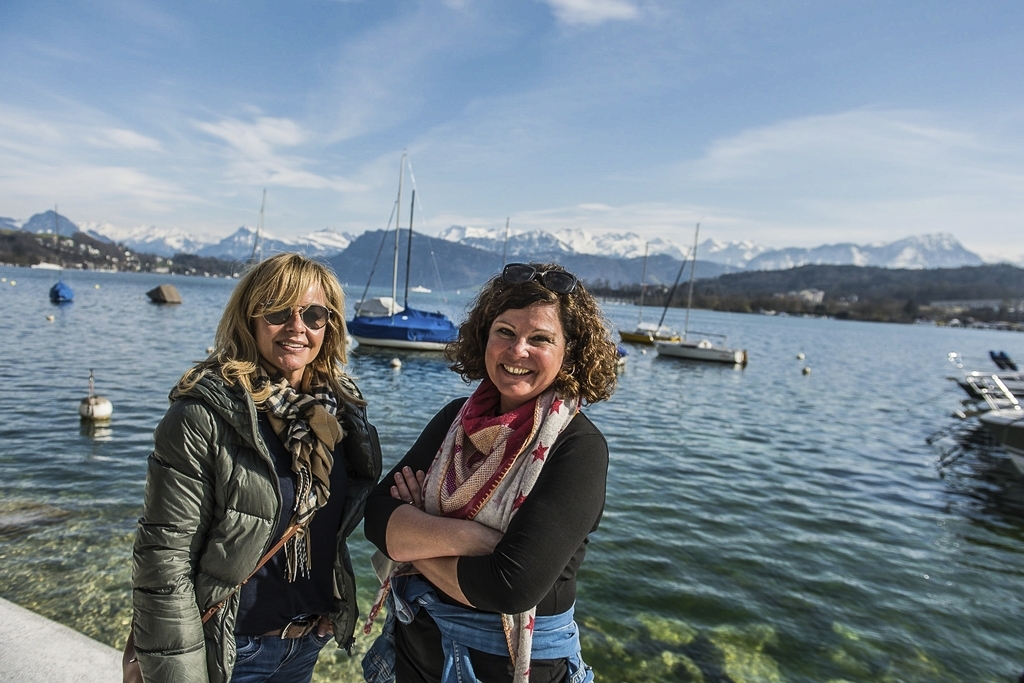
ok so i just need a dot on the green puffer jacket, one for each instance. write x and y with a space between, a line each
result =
212 503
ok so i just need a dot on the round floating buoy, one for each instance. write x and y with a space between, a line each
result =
396 363
95 286
13 282
210 349
800 356
806 370
95 408
50 318
643 352
3 279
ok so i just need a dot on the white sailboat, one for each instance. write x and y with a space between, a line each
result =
703 349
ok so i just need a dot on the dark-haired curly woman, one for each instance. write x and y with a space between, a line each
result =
483 525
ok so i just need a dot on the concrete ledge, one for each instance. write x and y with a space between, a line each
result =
34 649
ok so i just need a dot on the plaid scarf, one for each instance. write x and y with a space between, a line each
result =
309 430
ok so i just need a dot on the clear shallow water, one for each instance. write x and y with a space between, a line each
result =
761 525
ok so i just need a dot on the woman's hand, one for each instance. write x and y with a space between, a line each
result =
324 627
409 487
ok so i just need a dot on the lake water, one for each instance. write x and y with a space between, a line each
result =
761 524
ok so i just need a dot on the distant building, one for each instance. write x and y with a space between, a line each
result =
810 296
961 305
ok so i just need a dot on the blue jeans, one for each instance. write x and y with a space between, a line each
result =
271 659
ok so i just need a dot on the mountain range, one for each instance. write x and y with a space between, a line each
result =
613 257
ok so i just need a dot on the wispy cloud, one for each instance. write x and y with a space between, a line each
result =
592 12
120 138
255 153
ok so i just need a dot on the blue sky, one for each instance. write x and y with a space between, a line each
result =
790 123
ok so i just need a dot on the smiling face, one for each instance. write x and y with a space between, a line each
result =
525 350
292 346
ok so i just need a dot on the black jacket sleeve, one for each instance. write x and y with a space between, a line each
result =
380 504
547 532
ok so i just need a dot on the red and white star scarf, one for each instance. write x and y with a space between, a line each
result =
485 469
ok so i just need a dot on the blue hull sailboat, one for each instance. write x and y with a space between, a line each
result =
401 327
409 329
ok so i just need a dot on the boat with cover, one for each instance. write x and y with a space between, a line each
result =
647 333
60 292
703 349
400 327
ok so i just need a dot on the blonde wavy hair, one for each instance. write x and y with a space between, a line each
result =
588 370
278 282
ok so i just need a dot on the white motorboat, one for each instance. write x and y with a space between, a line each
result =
1007 426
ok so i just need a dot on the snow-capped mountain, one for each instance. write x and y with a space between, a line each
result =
940 250
570 241
147 239
167 242
50 222
238 245
737 254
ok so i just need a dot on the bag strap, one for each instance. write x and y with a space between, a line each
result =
208 614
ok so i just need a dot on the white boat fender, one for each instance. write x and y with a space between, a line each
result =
806 370
95 408
396 363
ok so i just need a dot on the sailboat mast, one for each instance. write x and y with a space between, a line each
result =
408 253
257 243
693 270
398 229
643 285
504 252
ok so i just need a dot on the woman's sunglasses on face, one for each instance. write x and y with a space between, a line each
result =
557 281
314 316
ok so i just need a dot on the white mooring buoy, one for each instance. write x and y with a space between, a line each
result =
800 356
396 363
806 370
95 408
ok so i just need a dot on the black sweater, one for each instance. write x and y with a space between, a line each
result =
536 561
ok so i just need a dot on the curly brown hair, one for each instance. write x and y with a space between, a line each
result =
588 371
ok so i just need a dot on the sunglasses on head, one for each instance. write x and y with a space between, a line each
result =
314 316
557 281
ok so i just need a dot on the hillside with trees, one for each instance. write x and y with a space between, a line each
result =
854 292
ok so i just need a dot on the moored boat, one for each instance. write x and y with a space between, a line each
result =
389 325
61 293
1007 426
648 333
704 349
